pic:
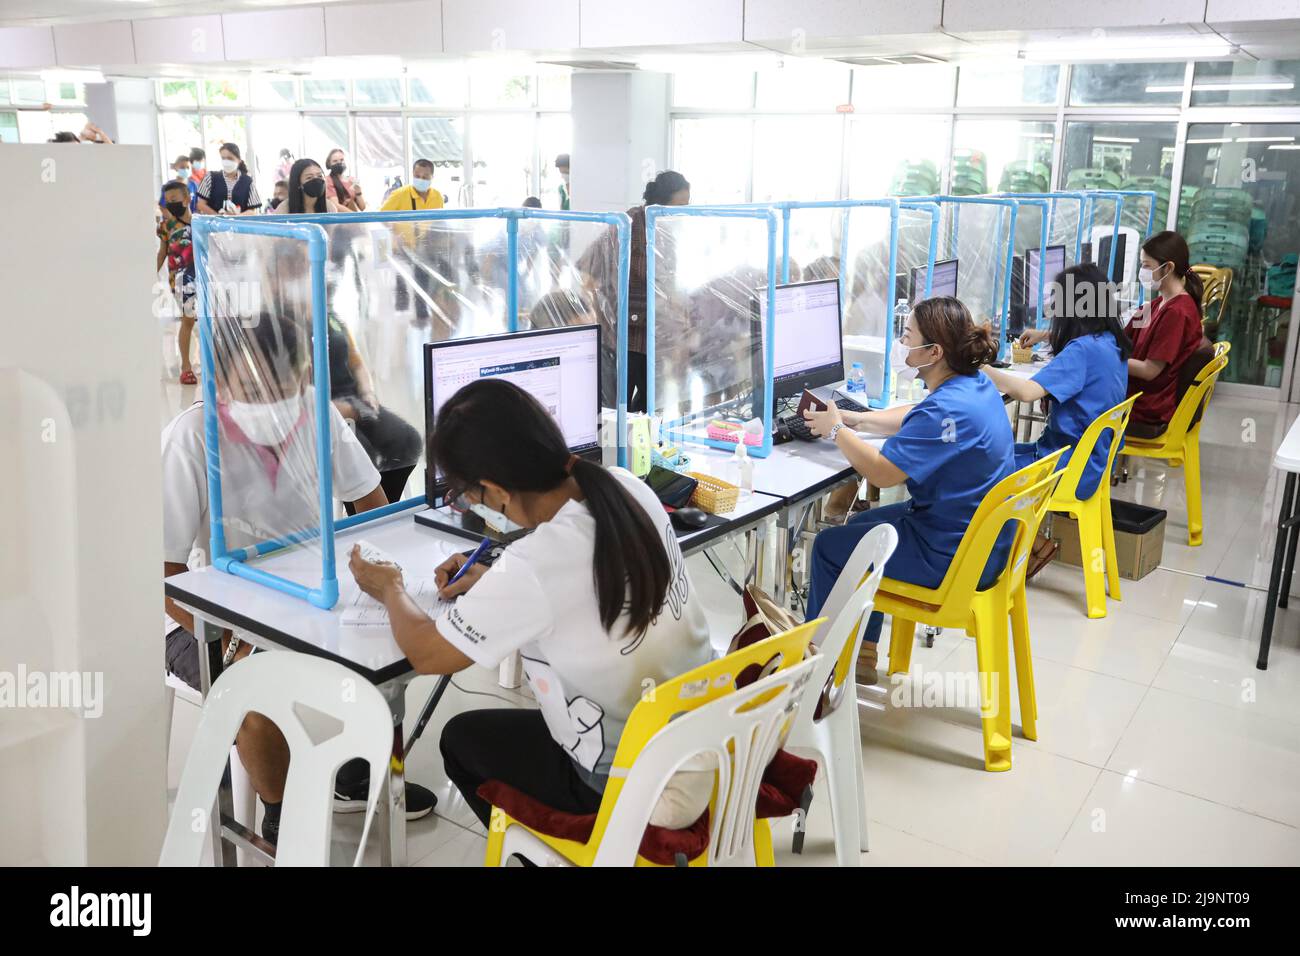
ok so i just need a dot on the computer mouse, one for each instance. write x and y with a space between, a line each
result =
687 518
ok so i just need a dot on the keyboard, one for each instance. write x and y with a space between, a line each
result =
798 428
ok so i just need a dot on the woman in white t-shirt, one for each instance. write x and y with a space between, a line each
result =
596 600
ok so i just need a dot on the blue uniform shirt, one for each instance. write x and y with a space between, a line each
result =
954 446
1089 377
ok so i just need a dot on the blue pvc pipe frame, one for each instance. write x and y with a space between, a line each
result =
308 228
652 215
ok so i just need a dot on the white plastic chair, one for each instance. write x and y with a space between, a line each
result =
754 720
280 685
835 739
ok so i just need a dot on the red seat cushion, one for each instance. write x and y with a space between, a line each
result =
784 782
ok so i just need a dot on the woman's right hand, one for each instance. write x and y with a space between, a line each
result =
447 570
1031 337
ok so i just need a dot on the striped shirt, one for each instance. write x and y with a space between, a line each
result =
229 190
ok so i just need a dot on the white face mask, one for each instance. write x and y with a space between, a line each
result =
496 519
229 165
1148 277
421 185
267 424
898 360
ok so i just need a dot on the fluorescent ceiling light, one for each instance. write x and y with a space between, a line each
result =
1115 139
1225 139
1286 146
72 76
1260 84
1265 139
1161 88
1108 48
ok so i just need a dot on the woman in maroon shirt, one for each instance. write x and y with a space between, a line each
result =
1164 332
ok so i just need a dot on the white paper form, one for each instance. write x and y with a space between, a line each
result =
363 610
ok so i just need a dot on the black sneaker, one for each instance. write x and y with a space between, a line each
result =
271 823
351 797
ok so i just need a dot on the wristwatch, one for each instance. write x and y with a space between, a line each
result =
835 430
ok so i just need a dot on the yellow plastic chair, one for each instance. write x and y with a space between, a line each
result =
1021 497
1180 445
1096 530
1218 286
735 836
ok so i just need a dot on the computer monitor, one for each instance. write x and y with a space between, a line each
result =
807 341
942 283
558 367
1121 252
1054 264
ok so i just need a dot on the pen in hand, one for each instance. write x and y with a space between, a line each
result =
478 553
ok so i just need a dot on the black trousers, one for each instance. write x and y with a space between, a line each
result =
392 443
424 281
515 747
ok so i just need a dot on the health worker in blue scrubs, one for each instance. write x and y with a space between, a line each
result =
949 449
1088 375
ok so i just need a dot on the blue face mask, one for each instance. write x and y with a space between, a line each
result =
422 185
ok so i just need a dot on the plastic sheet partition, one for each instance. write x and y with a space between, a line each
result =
709 360
979 232
919 224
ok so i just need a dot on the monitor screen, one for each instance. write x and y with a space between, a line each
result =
558 367
1103 255
943 282
808 346
1055 259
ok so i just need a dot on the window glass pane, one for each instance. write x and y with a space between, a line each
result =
277 142
441 140
321 133
554 136
224 129
930 85
1241 187
897 156
180 134
1001 156
491 86
387 92
272 92
713 155
441 86
1246 83
172 93
1134 84
554 90
1121 156
72 94
719 89
380 156
8 127
996 84
36 126
221 93
797 157
503 159
4 93
324 92
803 85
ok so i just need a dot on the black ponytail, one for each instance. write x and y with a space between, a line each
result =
341 192
1169 246
492 430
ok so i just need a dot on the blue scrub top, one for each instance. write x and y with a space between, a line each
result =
954 446
1089 377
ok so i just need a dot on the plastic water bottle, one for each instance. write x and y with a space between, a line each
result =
857 381
744 469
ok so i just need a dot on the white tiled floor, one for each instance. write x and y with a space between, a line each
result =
1159 742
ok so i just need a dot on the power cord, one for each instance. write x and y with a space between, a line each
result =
483 693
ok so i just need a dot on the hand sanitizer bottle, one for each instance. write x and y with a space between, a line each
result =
744 469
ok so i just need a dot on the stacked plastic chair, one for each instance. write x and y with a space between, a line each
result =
1025 176
1156 184
918 177
969 173
1218 229
1092 177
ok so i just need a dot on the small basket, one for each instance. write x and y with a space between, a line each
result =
1021 356
712 495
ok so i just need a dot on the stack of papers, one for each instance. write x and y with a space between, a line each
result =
362 610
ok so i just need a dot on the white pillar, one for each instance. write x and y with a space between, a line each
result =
620 137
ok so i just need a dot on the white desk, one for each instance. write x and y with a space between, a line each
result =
1286 460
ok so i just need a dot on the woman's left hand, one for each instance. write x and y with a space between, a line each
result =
821 423
376 578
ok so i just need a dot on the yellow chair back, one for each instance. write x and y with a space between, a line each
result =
1115 421
1218 286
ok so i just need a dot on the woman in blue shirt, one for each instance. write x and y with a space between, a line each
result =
950 449
1087 375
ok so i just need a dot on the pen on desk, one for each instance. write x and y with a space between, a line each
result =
478 553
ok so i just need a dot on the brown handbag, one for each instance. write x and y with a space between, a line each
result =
763 619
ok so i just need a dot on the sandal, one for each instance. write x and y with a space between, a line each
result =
1043 554
188 377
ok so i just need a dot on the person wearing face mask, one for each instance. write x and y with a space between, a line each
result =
306 189
1166 332
597 600
230 192
198 167
562 167
176 249
181 174
419 194
269 486
341 189
949 449
279 194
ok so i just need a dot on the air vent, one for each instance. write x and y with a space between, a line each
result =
592 64
902 59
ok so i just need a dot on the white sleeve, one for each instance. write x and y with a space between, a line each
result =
205 187
254 200
506 610
184 494
355 475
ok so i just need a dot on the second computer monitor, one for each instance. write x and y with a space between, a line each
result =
942 283
807 343
1054 259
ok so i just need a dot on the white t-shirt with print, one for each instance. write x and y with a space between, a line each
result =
539 598
259 502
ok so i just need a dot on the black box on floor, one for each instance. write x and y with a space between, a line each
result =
1139 538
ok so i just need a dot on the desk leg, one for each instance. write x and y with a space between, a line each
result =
392 798
781 555
1274 579
511 672
1293 536
209 638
